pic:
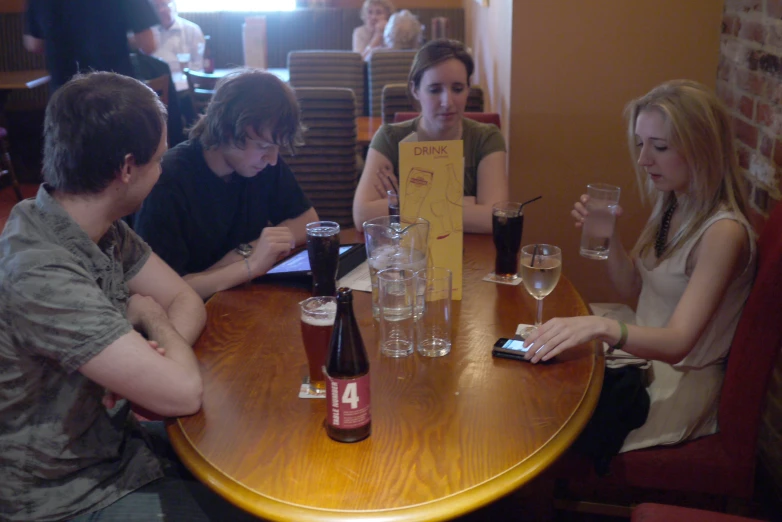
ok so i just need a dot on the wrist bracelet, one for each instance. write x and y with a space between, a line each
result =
249 272
622 338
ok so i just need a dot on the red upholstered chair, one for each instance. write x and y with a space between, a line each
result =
724 463
663 513
6 166
483 117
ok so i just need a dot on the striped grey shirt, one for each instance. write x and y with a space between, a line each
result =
62 300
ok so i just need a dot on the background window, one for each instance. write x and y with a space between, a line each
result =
197 6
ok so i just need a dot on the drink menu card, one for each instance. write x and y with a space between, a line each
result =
431 186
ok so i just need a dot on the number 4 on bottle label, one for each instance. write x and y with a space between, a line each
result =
348 401
350 395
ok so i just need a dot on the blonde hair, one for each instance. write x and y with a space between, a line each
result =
700 130
385 4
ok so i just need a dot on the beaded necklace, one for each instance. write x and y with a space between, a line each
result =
662 232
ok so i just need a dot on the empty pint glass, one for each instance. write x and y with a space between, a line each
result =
507 223
317 323
433 327
598 227
323 250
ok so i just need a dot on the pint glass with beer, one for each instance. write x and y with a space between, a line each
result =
317 323
323 251
507 224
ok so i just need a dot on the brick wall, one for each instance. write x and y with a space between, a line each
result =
749 81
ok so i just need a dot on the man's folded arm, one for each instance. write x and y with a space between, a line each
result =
184 307
169 385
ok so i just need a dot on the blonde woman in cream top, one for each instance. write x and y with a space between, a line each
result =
691 268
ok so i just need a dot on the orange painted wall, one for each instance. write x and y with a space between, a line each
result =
573 68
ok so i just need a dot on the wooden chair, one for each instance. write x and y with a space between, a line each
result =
326 165
202 87
160 86
339 69
722 464
483 117
6 165
386 67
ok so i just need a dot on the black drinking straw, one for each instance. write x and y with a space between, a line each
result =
529 201
534 253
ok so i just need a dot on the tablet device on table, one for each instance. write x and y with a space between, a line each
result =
297 265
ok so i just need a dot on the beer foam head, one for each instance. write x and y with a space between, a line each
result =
320 315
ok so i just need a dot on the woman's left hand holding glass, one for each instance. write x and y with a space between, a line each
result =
560 334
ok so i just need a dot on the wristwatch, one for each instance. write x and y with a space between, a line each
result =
245 250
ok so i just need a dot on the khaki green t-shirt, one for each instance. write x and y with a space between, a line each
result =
63 299
480 140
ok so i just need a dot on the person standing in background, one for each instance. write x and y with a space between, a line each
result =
84 35
368 37
181 44
178 37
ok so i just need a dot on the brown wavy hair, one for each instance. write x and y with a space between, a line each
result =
250 98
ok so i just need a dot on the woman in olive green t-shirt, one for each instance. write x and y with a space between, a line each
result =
439 82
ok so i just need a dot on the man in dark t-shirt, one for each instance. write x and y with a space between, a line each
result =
83 35
227 207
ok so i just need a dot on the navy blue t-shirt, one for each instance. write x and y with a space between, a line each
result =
85 35
192 217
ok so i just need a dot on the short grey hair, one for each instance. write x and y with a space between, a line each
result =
403 31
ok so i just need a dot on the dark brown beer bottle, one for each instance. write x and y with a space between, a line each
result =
347 376
209 62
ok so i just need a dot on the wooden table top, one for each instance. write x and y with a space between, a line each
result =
366 127
449 434
23 79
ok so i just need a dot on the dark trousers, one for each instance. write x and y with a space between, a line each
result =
176 497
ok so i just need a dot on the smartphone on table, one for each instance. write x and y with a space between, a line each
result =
512 348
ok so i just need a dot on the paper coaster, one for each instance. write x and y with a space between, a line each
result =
305 393
492 278
521 329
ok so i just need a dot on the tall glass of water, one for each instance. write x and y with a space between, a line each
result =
598 227
541 266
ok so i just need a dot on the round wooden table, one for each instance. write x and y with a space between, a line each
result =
449 434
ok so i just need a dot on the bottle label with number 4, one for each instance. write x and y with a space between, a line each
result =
348 402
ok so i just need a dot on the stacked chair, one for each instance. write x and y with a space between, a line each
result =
343 69
474 100
326 165
394 99
386 67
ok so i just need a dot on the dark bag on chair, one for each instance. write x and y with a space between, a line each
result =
623 407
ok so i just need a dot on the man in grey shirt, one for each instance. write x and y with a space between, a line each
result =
78 289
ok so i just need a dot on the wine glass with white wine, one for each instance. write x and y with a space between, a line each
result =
541 266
